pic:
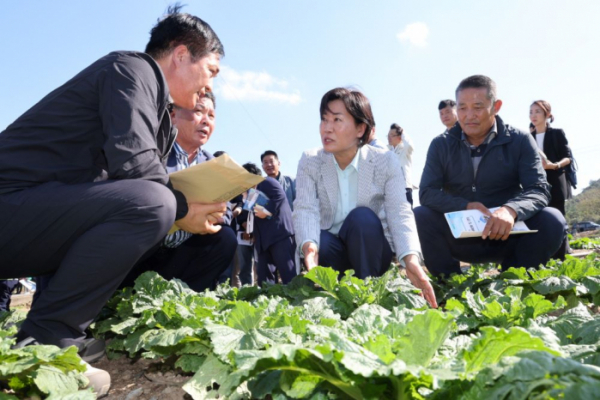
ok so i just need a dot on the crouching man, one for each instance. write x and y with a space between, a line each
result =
482 163
84 193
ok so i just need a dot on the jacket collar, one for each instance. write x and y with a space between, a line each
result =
502 137
366 167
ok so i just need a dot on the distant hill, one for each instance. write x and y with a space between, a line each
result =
586 205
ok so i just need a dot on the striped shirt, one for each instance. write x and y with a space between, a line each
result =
478 151
178 160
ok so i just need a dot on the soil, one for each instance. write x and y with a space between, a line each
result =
142 380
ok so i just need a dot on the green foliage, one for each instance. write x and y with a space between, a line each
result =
43 371
326 336
585 243
586 205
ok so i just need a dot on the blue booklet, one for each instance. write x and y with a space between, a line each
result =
256 199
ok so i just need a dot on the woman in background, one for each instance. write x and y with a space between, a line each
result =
556 155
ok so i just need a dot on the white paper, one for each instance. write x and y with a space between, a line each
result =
470 223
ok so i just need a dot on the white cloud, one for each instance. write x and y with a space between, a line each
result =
415 33
254 86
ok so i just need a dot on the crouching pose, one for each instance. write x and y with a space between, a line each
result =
351 210
84 193
482 163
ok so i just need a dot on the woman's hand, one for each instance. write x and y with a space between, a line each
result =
311 255
419 279
549 165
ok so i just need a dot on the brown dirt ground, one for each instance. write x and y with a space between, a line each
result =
142 380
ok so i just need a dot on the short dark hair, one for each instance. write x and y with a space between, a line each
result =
218 153
357 105
252 168
397 128
183 29
268 153
479 81
446 103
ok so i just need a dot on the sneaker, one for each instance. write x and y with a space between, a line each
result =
99 380
27 341
92 349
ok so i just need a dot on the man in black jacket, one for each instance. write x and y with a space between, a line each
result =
483 163
83 188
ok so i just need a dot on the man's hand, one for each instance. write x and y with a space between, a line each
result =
419 279
479 206
247 236
261 212
311 255
236 212
201 219
500 224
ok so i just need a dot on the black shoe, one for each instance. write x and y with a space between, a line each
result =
92 349
28 341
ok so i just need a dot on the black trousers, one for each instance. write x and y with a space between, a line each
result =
442 251
88 236
278 258
6 288
199 261
360 245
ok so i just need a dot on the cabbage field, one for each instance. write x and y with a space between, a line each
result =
517 334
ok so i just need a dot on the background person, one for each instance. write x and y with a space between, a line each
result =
243 262
374 141
274 236
351 211
554 145
400 143
448 116
271 164
6 288
197 260
479 164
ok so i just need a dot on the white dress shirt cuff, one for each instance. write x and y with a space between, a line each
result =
302 246
416 253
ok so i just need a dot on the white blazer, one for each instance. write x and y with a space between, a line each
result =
380 187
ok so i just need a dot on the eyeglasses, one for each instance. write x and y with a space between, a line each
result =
389 135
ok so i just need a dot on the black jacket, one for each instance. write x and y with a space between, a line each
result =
556 147
279 226
108 122
510 173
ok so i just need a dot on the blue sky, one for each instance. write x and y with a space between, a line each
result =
282 56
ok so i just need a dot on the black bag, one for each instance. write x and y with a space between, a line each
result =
571 172
571 169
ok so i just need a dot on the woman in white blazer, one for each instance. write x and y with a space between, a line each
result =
350 210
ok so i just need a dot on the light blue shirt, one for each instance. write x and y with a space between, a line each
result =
347 194
347 200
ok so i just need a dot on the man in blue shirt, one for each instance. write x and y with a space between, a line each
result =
198 260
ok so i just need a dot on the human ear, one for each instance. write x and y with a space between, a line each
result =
497 105
180 53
